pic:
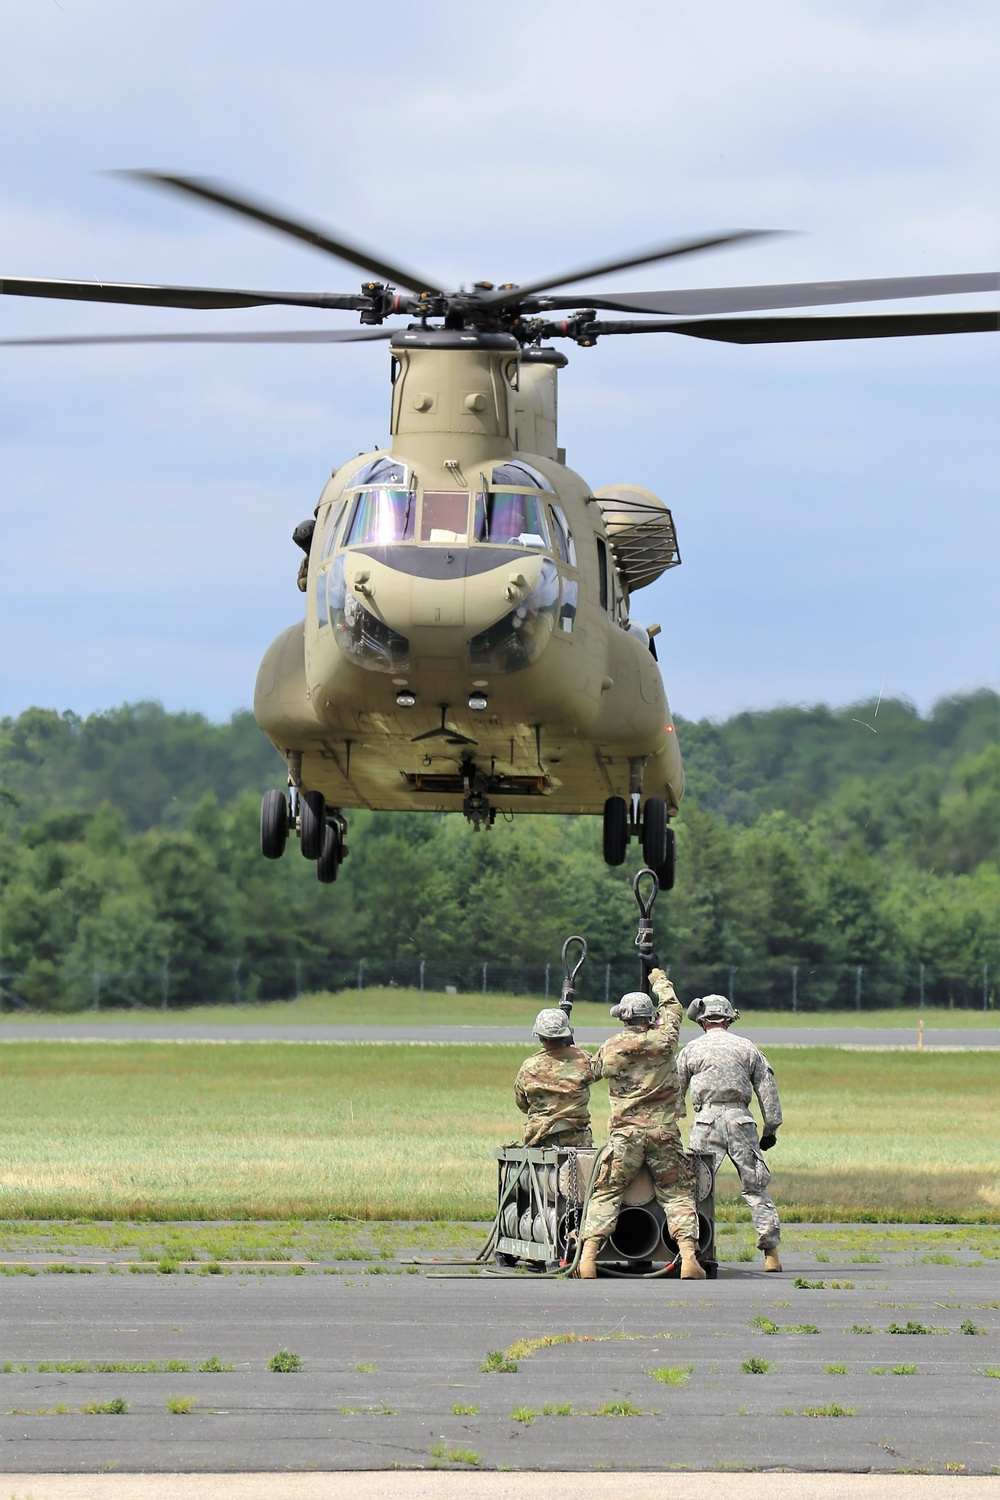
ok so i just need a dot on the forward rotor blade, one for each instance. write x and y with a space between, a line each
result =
793 294
813 330
640 258
264 336
354 255
206 297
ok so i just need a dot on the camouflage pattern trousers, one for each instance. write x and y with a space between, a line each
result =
731 1131
583 1140
670 1168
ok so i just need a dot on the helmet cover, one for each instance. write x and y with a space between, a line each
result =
635 1006
552 1025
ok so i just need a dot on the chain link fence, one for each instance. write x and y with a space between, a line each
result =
796 988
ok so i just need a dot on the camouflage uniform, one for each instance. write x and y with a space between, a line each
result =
640 1067
723 1070
553 1090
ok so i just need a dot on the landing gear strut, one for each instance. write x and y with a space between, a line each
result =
475 803
621 823
322 830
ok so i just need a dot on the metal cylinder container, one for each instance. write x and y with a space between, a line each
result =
636 1235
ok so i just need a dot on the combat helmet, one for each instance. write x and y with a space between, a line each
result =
552 1025
712 1008
635 1006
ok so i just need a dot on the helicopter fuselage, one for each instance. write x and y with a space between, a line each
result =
467 622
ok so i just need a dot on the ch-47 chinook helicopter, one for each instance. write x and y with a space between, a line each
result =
468 643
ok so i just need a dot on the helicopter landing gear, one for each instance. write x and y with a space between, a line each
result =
654 832
312 824
665 873
329 861
616 830
475 803
273 824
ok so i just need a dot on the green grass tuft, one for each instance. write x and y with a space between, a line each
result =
834 1369
497 1363
180 1406
116 1407
676 1375
284 1362
465 1411
755 1366
833 1410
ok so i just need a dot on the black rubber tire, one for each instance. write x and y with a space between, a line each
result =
329 861
273 824
654 832
312 824
615 830
666 873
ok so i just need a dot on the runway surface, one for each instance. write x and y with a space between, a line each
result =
392 1376
771 1036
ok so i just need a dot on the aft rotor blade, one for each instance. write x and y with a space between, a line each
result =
206 297
261 213
264 336
793 294
812 330
669 251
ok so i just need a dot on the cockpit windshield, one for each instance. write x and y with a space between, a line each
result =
381 516
513 518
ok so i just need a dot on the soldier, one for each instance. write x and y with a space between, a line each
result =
723 1071
553 1086
639 1064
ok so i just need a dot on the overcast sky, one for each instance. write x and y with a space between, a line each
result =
836 503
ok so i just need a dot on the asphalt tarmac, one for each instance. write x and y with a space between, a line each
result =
390 1360
769 1036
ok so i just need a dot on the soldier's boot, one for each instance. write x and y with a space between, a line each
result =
690 1269
587 1269
771 1261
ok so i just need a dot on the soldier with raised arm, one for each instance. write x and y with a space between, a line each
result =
724 1071
553 1086
640 1066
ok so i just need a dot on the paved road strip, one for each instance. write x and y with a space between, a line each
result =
880 1039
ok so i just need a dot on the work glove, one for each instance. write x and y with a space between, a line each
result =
769 1140
650 957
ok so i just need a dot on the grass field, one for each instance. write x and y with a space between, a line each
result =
399 1007
274 1131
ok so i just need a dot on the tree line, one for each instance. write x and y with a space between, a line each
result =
819 851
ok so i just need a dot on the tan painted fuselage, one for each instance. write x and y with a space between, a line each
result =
421 588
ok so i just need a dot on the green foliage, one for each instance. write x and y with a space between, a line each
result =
284 1362
676 1375
755 1366
497 1363
130 872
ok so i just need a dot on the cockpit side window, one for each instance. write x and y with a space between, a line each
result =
332 527
381 516
565 545
515 519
